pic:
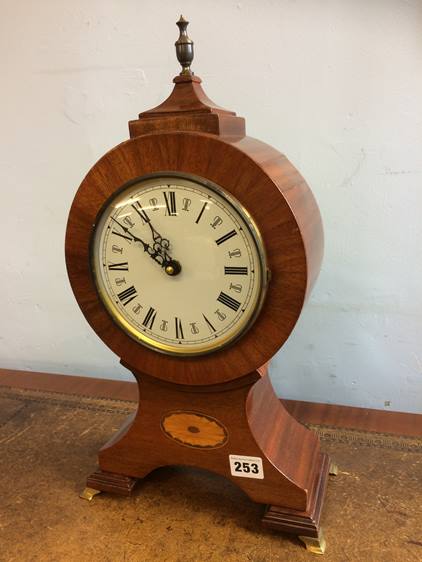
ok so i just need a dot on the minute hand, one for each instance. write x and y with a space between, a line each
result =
127 231
153 253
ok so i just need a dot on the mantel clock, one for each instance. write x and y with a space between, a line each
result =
191 249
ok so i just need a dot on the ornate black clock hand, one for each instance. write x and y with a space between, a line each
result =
156 236
171 266
160 245
146 246
157 252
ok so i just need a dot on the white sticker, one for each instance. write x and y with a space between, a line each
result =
246 467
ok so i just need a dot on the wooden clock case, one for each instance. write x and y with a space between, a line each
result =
189 134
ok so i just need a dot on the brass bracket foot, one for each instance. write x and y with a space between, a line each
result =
89 493
333 470
316 545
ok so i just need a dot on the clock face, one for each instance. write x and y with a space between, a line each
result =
179 264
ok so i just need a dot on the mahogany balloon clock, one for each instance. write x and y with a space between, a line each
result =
191 249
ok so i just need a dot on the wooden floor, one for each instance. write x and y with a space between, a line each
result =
397 423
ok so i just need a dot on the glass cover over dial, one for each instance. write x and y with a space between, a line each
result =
179 264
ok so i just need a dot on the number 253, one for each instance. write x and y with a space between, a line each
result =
246 467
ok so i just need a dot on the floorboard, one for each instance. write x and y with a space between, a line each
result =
398 423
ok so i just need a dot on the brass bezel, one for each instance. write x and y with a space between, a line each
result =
146 340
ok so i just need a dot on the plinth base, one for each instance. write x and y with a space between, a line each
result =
111 482
305 524
240 431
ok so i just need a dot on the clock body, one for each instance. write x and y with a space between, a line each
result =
236 216
191 249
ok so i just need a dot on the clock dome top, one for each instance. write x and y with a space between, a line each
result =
188 108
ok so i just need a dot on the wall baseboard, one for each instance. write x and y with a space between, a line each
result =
381 421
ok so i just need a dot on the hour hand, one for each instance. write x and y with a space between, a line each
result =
133 236
171 266
157 252
158 239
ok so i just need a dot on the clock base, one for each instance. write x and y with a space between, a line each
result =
111 482
239 430
305 524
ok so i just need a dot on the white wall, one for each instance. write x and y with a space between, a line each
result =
334 84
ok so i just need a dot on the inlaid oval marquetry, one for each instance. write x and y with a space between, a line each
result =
193 429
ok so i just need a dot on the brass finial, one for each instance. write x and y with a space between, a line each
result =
184 47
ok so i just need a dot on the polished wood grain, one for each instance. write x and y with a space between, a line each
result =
257 424
188 108
187 97
303 523
334 415
113 483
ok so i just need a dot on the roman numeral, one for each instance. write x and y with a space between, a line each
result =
226 237
179 329
230 302
124 266
150 318
127 220
210 326
122 235
204 206
170 199
128 295
235 270
140 210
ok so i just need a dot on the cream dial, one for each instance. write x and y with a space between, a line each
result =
179 264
